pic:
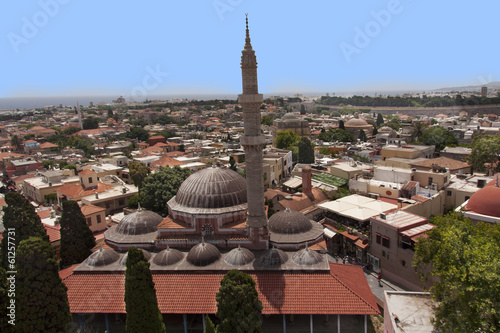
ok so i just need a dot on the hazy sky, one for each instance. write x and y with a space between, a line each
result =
70 47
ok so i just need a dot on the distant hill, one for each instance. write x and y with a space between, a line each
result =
491 85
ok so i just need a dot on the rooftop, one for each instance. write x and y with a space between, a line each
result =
413 310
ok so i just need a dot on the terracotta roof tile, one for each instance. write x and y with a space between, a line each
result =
344 290
46 145
443 162
168 223
86 172
91 209
75 191
54 232
166 161
43 214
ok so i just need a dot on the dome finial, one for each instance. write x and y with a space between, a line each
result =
100 247
139 206
202 240
287 207
248 45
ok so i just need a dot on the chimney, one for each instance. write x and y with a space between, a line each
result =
383 216
306 180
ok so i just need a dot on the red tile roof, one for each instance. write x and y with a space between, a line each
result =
47 145
91 209
86 172
344 290
443 162
166 161
76 191
54 232
43 214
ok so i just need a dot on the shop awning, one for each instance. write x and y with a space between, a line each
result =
329 233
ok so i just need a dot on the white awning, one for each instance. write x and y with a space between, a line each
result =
329 233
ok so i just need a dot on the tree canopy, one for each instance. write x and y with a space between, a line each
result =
20 216
238 305
160 187
90 123
380 119
438 136
138 172
266 120
362 136
143 314
485 149
306 151
286 139
77 239
465 258
337 134
41 300
138 133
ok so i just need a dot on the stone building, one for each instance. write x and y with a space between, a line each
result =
290 122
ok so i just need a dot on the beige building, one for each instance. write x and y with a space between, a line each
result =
392 246
37 188
348 170
95 217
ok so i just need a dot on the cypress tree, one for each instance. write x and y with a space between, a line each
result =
143 314
306 151
41 300
341 124
4 302
238 305
77 240
209 326
21 219
362 136
380 119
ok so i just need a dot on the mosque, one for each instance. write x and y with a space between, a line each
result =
218 222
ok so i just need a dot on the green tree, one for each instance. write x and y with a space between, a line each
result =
4 302
138 172
380 120
41 300
17 142
209 326
375 131
238 305
341 124
232 163
286 139
133 201
138 133
160 187
20 217
266 120
306 151
336 135
143 314
439 137
485 149
302 109
362 136
418 129
90 123
77 240
465 259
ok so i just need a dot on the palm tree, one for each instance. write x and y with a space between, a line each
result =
418 129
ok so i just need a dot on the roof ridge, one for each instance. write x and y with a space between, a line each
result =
350 289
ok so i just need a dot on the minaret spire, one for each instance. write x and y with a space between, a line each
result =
248 45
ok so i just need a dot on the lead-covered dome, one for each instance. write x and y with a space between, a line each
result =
168 257
203 254
139 223
102 257
273 257
486 201
356 122
239 257
289 222
212 188
307 257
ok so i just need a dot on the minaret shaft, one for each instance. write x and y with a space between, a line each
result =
253 141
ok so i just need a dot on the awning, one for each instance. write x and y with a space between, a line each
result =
329 233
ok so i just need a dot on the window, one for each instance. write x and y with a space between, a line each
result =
430 181
403 263
90 180
121 202
386 242
467 198
99 219
448 193
89 221
378 237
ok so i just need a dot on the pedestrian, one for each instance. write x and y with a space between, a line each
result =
379 278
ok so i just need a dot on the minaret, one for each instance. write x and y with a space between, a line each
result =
253 143
79 115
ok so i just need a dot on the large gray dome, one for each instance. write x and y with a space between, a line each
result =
168 257
212 188
307 257
102 257
273 257
239 257
138 223
203 254
289 222
147 255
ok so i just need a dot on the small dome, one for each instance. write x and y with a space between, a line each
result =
213 188
102 257
289 116
239 257
273 257
168 257
138 223
355 122
289 222
307 257
147 255
385 129
203 254
485 201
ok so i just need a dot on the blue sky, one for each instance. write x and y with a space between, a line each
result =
111 47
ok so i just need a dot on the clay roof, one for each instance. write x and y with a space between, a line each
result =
155 137
74 191
48 145
2 202
443 162
91 209
54 232
86 172
166 161
43 214
343 290
303 202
